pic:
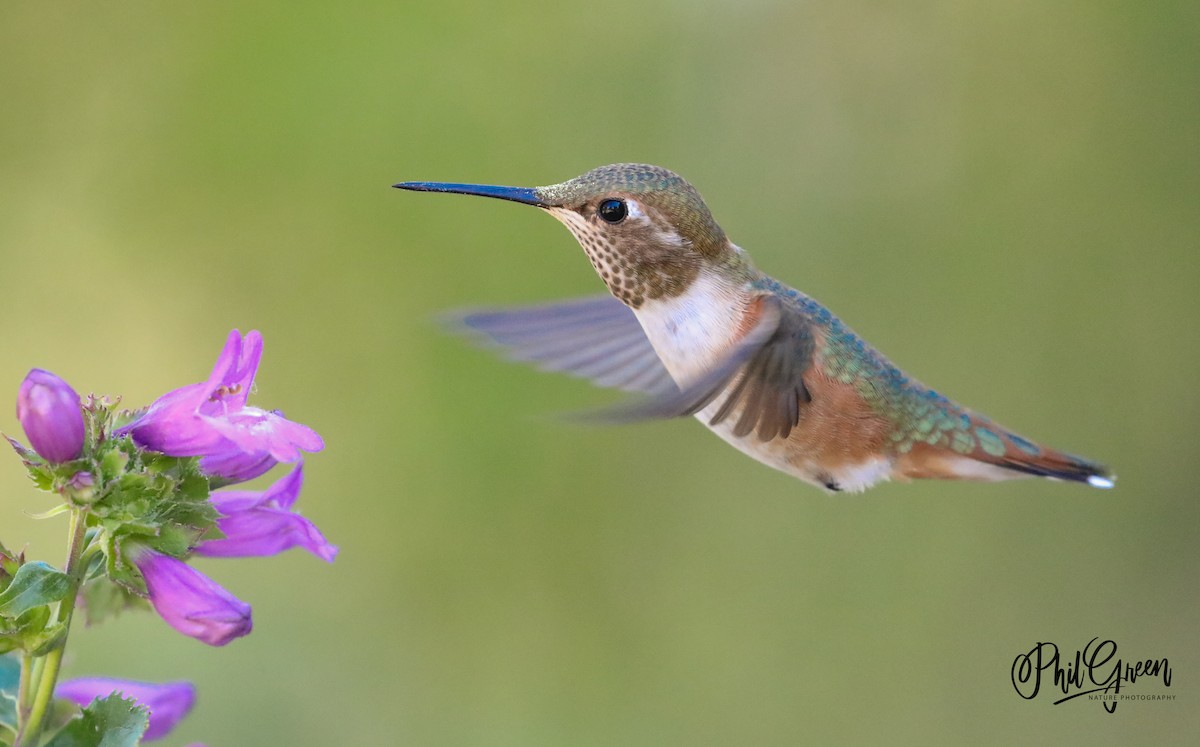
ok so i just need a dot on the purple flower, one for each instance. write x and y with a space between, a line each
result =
211 418
167 703
234 465
49 411
262 523
191 602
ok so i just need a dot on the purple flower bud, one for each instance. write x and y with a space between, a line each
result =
49 411
211 418
81 488
167 703
191 602
81 481
262 523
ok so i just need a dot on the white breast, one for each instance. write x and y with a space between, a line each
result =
690 332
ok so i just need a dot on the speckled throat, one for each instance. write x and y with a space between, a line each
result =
633 274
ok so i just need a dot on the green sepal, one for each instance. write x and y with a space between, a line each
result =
112 464
10 684
103 599
47 476
26 455
193 486
108 722
35 584
175 540
159 501
39 471
118 568
41 474
61 508
123 418
129 528
98 418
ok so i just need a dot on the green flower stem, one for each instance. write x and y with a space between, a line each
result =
24 689
31 728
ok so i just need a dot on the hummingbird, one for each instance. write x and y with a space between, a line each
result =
693 326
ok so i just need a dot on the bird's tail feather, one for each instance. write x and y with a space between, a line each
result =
997 453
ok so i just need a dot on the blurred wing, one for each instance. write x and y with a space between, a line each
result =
771 359
771 391
596 338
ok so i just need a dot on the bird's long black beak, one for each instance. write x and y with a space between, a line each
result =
526 195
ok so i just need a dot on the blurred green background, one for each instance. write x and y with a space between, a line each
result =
1004 198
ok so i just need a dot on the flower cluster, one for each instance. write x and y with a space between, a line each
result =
142 485
235 443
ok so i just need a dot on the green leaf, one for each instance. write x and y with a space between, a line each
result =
60 712
10 683
29 632
16 633
34 620
35 584
45 641
109 722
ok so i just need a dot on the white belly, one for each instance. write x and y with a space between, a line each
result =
783 456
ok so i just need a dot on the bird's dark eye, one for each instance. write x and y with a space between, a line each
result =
613 211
